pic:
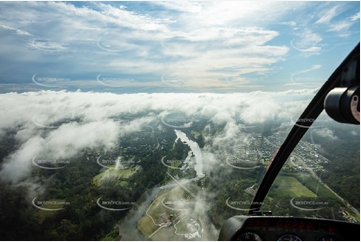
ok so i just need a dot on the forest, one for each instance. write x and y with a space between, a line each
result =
82 219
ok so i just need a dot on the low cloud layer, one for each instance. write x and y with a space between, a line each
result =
60 124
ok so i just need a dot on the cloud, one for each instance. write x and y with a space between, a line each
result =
335 22
307 42
226 40
130 19
230 13
95 119
117 39
343 25
62 143
18 31
326 133
355 17
328 15
188 7
290 23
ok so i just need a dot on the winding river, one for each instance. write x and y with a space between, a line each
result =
196 151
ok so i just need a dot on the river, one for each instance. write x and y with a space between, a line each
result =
196 151
128 226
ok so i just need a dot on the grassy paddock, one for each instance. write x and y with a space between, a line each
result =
126 173
146 226
290 186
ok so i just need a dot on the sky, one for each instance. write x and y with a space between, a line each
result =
173 47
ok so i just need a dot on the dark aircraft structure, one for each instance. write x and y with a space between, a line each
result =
340 98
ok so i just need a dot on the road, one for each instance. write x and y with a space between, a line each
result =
181 185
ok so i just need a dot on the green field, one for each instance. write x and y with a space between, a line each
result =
290 186
314 185
117 174
146 226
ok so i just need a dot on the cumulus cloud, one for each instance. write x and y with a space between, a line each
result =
60 124
61 143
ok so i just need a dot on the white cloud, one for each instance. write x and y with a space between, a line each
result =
135 42
307 42
290 23
328 15
328 19
232 12
340 26
129 19
222 40
260 110
189 7
97 128
18 31
326 133
355 17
